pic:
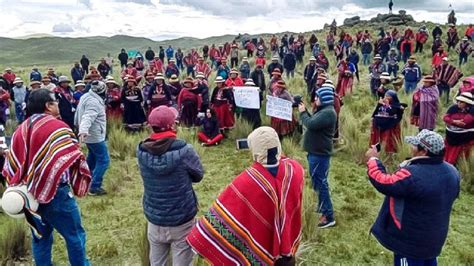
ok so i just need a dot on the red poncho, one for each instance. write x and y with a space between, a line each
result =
255 220
52 150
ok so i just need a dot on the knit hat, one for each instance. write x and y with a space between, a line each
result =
329 84
98 87
466 97
162 117
17 80
325 95
427 139
219 79
16 199
62 79
265 146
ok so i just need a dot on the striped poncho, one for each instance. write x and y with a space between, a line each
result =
256 220
43 148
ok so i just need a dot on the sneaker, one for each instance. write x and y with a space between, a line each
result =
97 192
324 222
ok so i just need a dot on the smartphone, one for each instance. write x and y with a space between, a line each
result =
378 147
242 144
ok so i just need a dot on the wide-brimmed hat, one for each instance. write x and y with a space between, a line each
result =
79 83
159 76
188 80
234 71
174 78
34 82
275 58
466 97
16 199
244 59
428 78
385 76
18 80
62 79
172 60
276 71
131 79
219 79
446 59
110 80
8 69
465 38
200 75
129 63
162 117
312 58
427 139
377 56
412 59
46 78
249 82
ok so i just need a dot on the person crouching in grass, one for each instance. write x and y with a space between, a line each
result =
168 166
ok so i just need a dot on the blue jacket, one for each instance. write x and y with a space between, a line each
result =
414 218
35 76
168 168
169 52
412 73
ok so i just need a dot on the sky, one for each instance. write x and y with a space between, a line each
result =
169 19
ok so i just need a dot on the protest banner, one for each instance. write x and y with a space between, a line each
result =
247 97
279 108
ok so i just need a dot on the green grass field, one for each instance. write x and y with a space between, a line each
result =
115 224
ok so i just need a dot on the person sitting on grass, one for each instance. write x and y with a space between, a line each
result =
265 200
169 167
210 134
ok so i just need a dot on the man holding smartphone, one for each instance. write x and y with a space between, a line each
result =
318 142
414 219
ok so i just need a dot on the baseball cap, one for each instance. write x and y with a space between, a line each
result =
162 117
429 140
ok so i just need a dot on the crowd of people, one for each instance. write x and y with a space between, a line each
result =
161 95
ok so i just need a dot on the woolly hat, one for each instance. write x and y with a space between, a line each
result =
98 87
17 80
162 118
16 199
428 139
265 146
325 95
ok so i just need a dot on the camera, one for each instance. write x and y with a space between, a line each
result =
297 99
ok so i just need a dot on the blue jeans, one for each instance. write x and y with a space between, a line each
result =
399 260
98 160
366 59
410 86
62 214
20 115
319 170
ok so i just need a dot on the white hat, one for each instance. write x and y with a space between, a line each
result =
466 97
159 76
110 80
8 69
377 56
328 81
79 83
15 199
200 75
312 58
17 80
275 58
265 146
385 76
63 79
329 84
445 59
249 82
465 38
219 79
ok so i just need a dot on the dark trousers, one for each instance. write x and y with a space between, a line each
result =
443 87
234 62
419 47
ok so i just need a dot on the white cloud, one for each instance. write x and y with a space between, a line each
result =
166 19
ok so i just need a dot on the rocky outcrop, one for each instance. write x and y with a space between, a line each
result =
389 19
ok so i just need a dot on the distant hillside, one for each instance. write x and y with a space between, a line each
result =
57 50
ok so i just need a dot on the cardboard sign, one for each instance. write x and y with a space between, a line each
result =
279 108
247 97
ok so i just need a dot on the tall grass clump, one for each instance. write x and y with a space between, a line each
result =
143 246
14 242
466 167
242 129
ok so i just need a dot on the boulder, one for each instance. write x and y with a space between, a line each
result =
402 12
351 21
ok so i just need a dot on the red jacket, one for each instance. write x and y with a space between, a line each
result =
260 60
234 82
438 58
9 77
421 37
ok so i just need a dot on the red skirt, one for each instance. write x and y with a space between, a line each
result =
114 113
344 85
389 138
453 152
225 116
283 127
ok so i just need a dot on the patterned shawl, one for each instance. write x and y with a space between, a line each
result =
43 148
255 220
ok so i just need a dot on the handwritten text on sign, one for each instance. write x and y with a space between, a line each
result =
247 97
279 108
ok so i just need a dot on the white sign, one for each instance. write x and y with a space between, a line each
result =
247 97
279 108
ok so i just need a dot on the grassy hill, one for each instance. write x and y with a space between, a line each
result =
115 224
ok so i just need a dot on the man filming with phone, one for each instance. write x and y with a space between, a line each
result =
413 221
